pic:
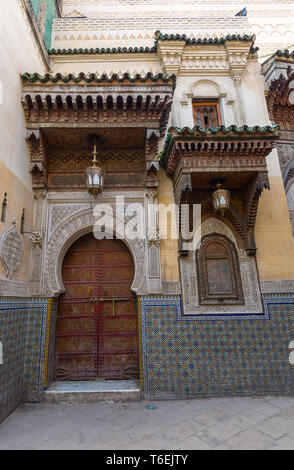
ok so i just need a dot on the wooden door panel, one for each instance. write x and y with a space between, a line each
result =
76 343
115 324
86 290
75 309
78 258
116 258
116 290
118 273
81 274
122 307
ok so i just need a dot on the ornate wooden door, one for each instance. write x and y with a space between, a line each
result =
96 331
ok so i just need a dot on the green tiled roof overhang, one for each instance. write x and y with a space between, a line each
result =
92 77
104 50
158 36
221 131
285 53
203 41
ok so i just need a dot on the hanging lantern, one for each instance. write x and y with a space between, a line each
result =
221 199
95 175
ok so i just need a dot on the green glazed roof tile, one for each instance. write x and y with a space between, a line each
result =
202 41
92 77
104 50
158 36
285 53
223 130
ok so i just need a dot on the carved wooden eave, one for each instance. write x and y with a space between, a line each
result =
223 147
139 101
194 157
222 56
280 100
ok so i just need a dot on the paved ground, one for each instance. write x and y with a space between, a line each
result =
217 423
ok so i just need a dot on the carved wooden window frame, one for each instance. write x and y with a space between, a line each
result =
235 297
198 103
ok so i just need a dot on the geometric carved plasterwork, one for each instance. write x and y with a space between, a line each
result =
286 155
249 278
11 250
60 212
70 230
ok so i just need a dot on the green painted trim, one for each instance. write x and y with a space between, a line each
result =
51 13
92 77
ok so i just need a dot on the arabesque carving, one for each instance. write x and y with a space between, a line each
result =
11 250
70 230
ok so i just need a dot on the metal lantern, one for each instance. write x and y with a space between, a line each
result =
95 175
221 199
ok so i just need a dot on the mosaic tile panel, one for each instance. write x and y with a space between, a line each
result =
36 351
12 336
188 357
23 332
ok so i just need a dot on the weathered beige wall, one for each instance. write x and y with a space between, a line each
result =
168 247
273 232
19 53
19 198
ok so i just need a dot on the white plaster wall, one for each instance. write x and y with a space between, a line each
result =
204 86
253 95
19 53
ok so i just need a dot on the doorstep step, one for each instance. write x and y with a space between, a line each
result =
93 392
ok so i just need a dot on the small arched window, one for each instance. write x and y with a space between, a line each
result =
219 272
4 206
206 112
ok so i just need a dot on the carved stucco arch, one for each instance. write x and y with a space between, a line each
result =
210 86
71 230
248 272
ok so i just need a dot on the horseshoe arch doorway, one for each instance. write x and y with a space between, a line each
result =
97 325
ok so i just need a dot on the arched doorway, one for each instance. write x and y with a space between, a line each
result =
96 329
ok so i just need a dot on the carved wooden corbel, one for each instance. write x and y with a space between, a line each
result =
152 169
38 159
254 191
152 141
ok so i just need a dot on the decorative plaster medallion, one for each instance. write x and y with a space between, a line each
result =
11 250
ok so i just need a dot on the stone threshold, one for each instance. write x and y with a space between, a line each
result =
93 391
